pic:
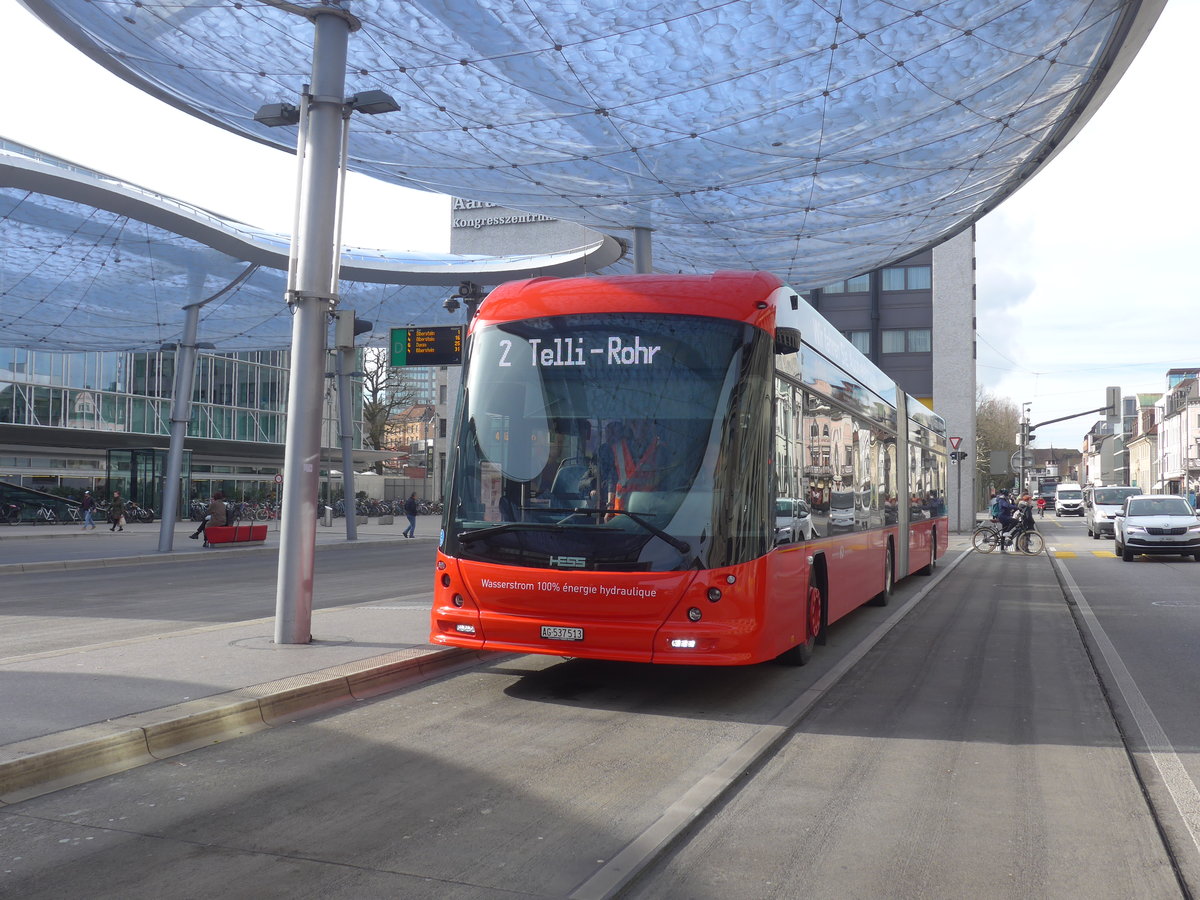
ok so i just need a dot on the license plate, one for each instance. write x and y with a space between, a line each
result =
555 633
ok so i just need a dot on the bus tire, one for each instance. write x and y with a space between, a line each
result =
802 653
928 568
889 579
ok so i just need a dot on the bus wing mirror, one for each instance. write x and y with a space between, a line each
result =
787 340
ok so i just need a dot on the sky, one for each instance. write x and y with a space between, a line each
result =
1083 275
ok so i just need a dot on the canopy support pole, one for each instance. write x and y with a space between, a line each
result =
643 263
311 298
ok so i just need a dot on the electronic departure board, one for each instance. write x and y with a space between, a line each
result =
433 345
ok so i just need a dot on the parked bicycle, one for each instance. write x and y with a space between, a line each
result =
135 513
11 513
45 514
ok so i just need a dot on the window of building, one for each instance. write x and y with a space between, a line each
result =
907 340
838 287
861 341
908 278
919 278
858 284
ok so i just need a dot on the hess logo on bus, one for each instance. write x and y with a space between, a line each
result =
568 562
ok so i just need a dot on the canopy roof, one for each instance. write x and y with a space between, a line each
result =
91 263
816 141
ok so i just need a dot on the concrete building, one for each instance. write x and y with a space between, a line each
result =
1143 444
1179 437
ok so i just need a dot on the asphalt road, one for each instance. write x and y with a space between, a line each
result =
57 610
972 752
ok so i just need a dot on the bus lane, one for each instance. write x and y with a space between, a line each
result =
1141 620
972 753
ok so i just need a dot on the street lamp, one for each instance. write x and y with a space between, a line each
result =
322 142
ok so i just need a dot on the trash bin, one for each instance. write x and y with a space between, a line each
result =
327 516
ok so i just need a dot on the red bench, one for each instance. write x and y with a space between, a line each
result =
234 534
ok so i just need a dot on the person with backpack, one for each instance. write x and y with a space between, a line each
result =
410 510
1005 510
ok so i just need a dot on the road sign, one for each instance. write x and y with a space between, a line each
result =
1016 462
279 479
954 442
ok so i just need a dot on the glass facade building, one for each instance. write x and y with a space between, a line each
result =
62 413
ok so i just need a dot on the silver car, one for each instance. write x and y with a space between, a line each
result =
1157 523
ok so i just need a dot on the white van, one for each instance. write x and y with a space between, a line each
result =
1068 500
1100 504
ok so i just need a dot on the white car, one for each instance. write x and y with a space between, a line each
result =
841 510
1157 523
793 521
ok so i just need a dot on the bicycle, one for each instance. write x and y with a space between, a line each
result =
45 514
1024 537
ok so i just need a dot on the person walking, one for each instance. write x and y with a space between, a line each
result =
116 512
88 505
410 510
216 515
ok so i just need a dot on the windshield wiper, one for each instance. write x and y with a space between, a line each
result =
681 546
479 534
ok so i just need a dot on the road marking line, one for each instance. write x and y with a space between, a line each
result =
1065 554
1179 784
1104 554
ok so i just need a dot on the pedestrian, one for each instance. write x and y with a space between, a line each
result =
216 515
116 512
410 510
88 505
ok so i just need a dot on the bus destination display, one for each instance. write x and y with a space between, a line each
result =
433 345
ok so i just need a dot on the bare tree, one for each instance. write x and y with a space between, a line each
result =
385 393
997 420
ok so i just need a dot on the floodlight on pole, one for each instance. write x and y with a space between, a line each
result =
276 115
372 103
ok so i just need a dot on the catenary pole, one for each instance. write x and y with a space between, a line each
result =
181 403
311 299
181 413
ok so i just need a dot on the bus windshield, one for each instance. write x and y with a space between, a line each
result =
593 441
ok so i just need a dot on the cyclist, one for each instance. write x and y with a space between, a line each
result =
1005 510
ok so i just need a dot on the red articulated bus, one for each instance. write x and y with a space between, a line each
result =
633 454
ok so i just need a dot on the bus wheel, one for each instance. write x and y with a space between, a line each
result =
928 568
802 653
889 580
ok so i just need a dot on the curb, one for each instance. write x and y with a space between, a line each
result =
51 762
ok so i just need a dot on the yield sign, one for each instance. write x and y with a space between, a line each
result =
954 442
